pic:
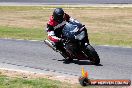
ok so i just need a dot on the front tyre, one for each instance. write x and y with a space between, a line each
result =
94 57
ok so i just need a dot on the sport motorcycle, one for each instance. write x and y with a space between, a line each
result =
74 35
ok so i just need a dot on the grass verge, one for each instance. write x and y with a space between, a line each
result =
106 25
14 79
12 82
21 33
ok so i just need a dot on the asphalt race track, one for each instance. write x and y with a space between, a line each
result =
116 62
69 1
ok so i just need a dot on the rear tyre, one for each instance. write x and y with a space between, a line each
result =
94 57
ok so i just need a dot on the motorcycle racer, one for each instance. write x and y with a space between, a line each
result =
54 29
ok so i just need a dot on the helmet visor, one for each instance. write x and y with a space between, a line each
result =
59 18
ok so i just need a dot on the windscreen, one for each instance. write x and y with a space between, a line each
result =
70 29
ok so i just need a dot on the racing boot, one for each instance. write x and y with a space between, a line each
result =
61 49
68 59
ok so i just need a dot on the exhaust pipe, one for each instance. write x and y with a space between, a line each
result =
49 44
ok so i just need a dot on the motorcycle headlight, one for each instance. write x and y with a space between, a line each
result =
80 36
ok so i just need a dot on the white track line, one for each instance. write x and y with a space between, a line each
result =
57 4
115 46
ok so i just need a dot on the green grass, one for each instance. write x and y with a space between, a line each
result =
11 82
22 33
110 39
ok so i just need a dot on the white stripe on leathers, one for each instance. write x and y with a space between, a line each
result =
59 25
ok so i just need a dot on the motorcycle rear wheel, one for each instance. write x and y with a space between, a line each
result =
94 57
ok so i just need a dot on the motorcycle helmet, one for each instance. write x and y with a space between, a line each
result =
58 15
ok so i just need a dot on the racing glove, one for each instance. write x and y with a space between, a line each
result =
62 40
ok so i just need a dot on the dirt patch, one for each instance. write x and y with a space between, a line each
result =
30 75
